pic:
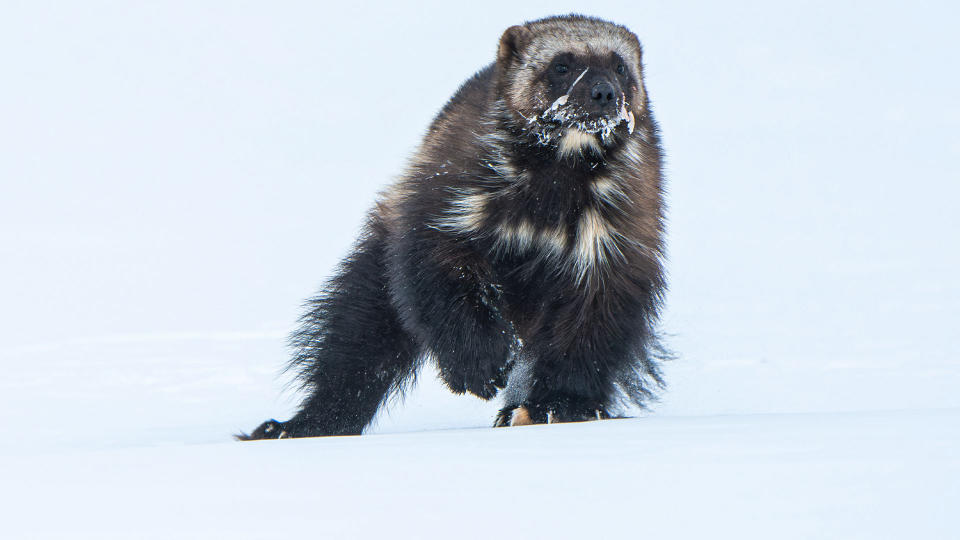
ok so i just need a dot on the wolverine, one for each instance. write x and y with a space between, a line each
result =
522 249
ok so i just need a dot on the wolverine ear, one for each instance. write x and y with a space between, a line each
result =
635 41
514 39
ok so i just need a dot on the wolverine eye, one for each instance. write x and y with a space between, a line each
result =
620 69
561 68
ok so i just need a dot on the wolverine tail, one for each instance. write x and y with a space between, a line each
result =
350 350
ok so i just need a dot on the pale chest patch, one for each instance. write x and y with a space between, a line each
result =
596 244
575 141
523 236
583 248
465 212
609 191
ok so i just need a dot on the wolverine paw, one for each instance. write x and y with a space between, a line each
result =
485 390
554 413
484 386
271 429
513 416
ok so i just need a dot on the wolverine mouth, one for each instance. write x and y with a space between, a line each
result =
564 113
569 115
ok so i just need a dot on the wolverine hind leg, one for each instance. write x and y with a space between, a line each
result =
271 429
351 350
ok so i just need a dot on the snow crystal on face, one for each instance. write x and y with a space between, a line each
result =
565 114
584 72
626 114
557 103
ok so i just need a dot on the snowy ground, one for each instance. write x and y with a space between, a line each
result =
864 475
176 178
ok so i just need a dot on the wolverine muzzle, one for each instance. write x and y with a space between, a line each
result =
603 93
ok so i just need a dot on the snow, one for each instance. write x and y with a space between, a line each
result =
176 178
766 476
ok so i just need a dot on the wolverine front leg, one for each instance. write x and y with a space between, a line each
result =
449 299
471 341
583 360
547 404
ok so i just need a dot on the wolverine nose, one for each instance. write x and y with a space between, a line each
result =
602 93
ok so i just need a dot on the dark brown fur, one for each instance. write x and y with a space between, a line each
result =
526 235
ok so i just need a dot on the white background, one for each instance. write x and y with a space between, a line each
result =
176 178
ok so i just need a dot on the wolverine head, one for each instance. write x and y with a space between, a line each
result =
573 81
